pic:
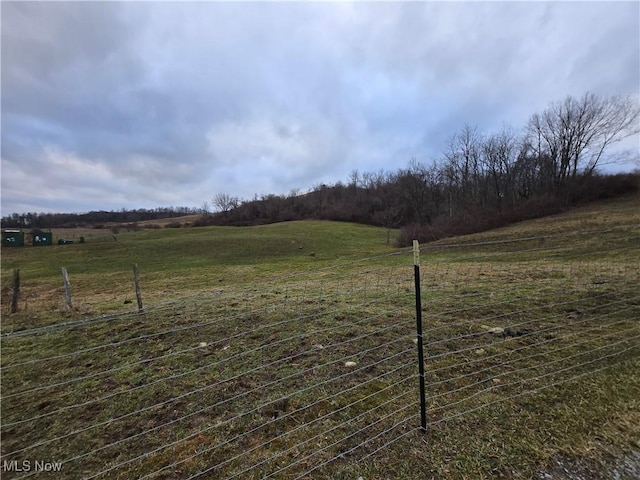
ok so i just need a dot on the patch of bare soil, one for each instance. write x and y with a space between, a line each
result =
625 467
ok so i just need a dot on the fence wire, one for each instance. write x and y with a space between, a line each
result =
285 378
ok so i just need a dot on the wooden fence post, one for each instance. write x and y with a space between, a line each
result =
137 283
16 290
67 288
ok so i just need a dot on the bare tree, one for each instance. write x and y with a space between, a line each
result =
354 178
225 202
575 133
418 187
499 155
294 192
461 168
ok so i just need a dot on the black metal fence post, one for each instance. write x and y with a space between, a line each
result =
416 274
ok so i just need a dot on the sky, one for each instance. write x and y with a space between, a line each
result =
111 105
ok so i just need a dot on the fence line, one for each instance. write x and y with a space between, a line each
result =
479 334
187 350
523 369
380 419
508 352
187 327
200 325
208 449
195 435
351 262
462 413
111 421
283 378
431 371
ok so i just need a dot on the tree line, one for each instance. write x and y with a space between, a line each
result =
481 181
94 218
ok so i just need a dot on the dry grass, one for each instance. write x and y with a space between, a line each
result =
246 378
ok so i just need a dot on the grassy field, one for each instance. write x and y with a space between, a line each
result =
287 351
173 263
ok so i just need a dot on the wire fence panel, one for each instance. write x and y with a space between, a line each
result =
282 379
499 327
263 380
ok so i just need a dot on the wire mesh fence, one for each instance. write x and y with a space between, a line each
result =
287 378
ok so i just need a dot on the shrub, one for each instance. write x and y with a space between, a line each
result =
600 187
479 221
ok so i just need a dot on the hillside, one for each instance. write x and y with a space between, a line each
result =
181 261
421 201
289 349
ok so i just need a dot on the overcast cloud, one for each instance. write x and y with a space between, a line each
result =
148 104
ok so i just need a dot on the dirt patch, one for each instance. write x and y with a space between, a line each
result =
626 467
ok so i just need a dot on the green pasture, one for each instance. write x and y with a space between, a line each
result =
176 262
229 311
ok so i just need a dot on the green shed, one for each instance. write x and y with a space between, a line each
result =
42 239
13 238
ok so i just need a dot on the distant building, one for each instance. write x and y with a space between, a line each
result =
12 238
42 239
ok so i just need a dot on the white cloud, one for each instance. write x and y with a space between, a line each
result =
143 104
260 141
